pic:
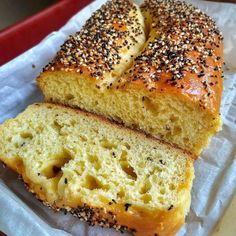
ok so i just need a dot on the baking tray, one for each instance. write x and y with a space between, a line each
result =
19 37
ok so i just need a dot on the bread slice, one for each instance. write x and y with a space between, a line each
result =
101 172
170 85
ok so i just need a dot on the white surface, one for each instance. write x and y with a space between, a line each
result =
227 224
22 215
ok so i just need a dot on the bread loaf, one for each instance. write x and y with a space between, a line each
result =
167 83
101 172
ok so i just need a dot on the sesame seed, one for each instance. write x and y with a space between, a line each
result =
96 46
93 217
127 205
180 29
167 54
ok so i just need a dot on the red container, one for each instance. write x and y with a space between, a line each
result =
26 34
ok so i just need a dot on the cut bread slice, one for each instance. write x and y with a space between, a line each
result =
100 171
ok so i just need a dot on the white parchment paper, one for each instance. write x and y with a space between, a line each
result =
215 183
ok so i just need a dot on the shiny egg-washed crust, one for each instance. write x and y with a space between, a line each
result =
183 54
96 50
138 221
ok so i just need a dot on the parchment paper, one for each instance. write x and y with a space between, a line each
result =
215 183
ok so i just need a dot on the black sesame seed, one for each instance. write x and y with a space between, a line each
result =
162 162
170 55
97 44
201 75
65 181
127 205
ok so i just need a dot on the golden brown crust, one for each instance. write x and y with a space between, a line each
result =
97 48
184 55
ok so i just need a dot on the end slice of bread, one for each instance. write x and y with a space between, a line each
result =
101 172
